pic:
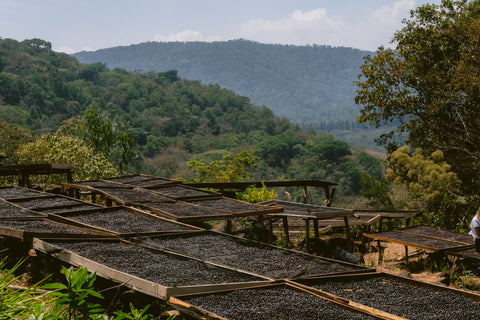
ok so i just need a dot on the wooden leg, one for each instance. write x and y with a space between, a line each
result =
380 252
307 234
285 229
228 226
347 228
34 266
270 230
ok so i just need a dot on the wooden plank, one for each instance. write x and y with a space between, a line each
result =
193 311
216 288
351 222
387 214
405 243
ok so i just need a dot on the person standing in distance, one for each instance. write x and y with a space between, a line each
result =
475 230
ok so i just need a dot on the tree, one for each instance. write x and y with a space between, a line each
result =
89 165
11 137
232 168
428 85
378 192
332 150
429 185
114 140
11 88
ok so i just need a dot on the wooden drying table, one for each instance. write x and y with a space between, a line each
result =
422 237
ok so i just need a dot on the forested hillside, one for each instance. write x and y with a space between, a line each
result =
310 85
162 120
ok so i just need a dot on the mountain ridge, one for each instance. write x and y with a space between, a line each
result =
309 85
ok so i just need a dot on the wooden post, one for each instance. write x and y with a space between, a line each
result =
34 266
380 252
228 226
69 176
270 231
305 194
347 228
307 233
22 179
315 229
406 255
380 225
285 229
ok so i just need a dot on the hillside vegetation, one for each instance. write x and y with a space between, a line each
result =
163 120
309 85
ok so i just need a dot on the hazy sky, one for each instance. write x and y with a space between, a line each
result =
76 25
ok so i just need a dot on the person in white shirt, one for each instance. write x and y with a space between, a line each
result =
475 230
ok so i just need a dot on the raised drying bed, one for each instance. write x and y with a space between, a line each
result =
183 211
236 207
279 301
185 193
142 180
10 210
25 229
150 271
403 297
262 259
46 202
18 192
121 220
424 237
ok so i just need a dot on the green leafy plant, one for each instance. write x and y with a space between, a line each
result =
253 194
74 297
135 314
232 168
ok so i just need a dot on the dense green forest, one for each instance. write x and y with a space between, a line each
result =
309 85
170 120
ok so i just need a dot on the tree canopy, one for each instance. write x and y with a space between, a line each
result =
428 86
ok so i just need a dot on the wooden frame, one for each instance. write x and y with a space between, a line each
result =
153 289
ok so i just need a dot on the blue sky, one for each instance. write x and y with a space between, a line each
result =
73 26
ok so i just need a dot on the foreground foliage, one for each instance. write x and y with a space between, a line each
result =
76 299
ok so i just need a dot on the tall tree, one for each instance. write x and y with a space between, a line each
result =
428 85
114 140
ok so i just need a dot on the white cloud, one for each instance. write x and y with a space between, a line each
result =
187 35
69 50
299 27
367 31
64 49
392 15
